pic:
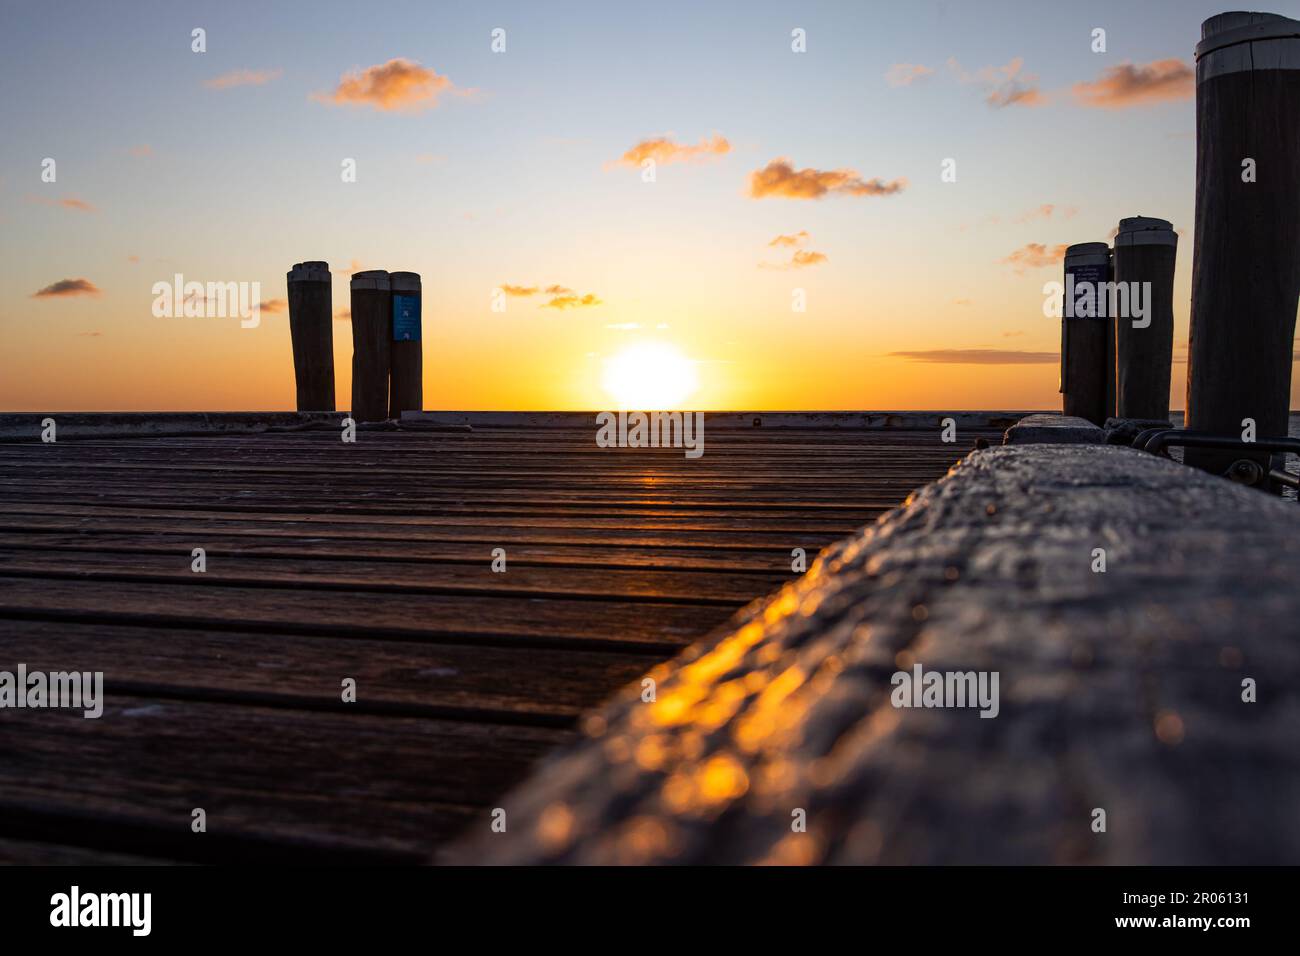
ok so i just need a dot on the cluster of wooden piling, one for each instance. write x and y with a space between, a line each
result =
387 358
1116 363
1245 270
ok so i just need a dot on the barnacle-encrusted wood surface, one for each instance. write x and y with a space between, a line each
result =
1120 691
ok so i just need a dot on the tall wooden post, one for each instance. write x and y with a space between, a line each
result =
1084 369
1144 345
371 345
406 392
1246 265
311 330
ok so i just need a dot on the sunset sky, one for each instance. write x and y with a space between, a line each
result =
519 171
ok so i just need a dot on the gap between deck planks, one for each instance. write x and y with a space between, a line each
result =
372 562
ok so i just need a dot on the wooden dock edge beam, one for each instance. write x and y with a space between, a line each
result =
1054 429
1122 599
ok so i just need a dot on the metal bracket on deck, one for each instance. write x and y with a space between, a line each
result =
1245 471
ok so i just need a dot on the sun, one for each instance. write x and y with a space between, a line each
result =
649 376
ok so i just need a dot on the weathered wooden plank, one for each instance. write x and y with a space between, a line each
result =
173 540
383 785
416 679
224 568
32 853
537 622
344 527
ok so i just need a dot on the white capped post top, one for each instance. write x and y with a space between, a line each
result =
309 272
1087 254
371 279
1146 231
1240 42
405 281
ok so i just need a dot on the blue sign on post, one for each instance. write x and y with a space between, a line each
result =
406 318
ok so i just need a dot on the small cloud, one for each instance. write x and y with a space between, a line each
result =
978 357
905 74
144 149
353 266
519 291
1012 335
558 290
800 258
1046 211
273 306
794 239
624 326
343 315
89 335
805 257
396 86
780 179
573 302
132 258
428 159
67 202
961 301
1003 86
1119 87
663 150
243 78
67 287
1034 255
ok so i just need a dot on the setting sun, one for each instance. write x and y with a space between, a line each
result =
649 376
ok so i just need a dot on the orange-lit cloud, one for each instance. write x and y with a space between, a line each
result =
1160 81
1047 211
978 357
67 287
273 306
806 257
67 202
572 301
663 150
905 74
794 239
780 179
1034 255
800 258
243 78
144 149
398 85
1005 85
132 258
562 297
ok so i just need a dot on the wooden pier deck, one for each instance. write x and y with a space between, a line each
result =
372 561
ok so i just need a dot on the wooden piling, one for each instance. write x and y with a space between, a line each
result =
1246 265
311 331
406 389
1145 249
1084 369
371 346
